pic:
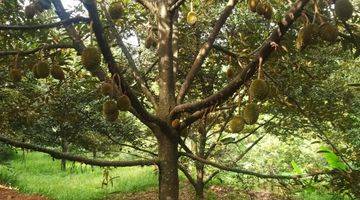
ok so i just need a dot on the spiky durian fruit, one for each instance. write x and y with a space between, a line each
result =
30 11
106 89
344 9
15 74
230 73
236 124
123 103
91 58
191 18
306 36
259 89
150 42
110 110
41 69
328 32
268 11
251 113
116 10
264 9
260 8
57 72
252 4
175 123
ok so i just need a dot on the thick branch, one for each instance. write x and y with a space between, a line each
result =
249 71
74 35
176 4
98 30
187 174
44 47
74 20
59 155
242 171
205 49
148 4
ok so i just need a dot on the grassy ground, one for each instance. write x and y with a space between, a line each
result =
40 174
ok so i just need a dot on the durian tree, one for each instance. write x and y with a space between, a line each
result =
162 91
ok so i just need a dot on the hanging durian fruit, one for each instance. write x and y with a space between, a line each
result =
268 11
15 74
91 58
150 41
259 89
264 9
344 9
252 5
116 10
236 124
30 11
328 32
57 72
230 73
175 123
110 110
306 36
251 113
123 103
107 89
41 69
191 17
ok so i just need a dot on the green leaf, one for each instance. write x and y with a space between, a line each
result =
296 168
332 159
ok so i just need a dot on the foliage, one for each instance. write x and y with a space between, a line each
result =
39 174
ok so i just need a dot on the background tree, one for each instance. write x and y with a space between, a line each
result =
174 102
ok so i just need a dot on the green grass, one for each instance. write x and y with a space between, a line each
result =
41 175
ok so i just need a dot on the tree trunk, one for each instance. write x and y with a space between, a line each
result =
168 169
94 157
199 191
200 170
64 149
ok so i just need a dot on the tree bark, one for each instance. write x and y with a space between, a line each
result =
200 171
64 149
168 169
199 191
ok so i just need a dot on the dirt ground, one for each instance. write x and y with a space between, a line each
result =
11 194
187 193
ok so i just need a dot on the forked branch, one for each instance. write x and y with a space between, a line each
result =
205 49
264 52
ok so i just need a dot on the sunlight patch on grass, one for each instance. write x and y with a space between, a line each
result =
39 174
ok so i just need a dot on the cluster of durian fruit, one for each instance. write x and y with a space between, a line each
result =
36 7
40 70
116 10
259 90
261 7
117 102
309 33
